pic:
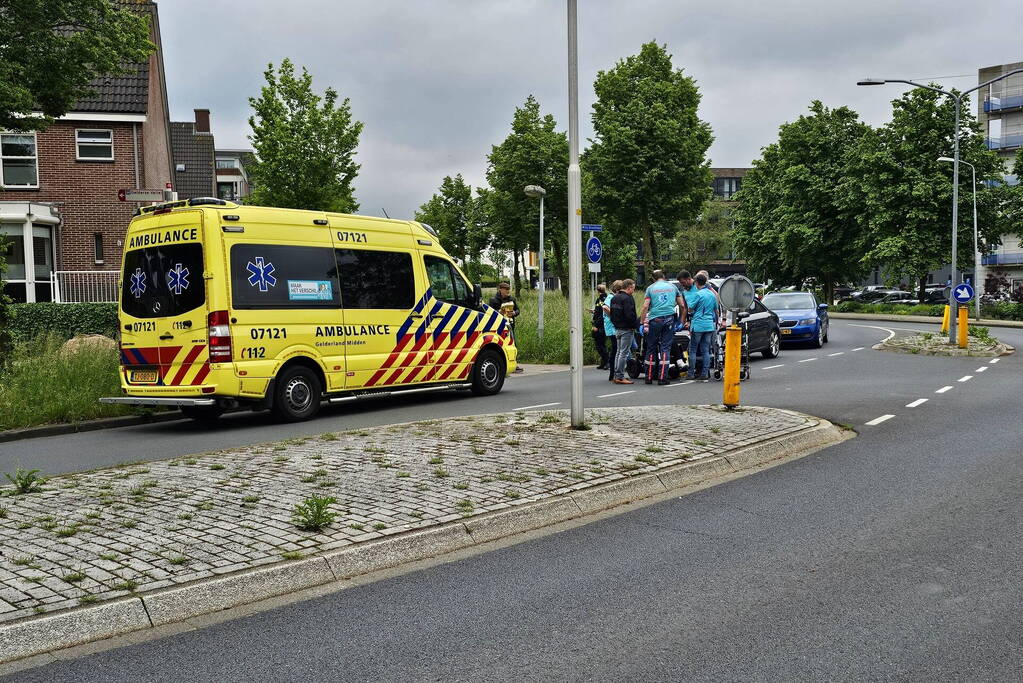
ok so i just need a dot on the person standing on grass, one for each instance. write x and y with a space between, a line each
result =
625 320
609 330
658 317
703 329
506 304
597 326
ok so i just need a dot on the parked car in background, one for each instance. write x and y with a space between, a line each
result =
869 294
898 297
801 318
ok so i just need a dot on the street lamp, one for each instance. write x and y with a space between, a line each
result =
534 191
952 324
575 229
976 243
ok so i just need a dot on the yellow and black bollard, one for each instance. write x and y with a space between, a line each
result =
733 359
964 323
945 319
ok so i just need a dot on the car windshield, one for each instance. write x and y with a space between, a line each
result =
788 302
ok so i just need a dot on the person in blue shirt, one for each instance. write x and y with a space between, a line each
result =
658 316
703 327
609 329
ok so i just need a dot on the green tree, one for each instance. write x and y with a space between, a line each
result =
51 50
649 158
705 239
534 153
902 195
304 144
791 222
448 212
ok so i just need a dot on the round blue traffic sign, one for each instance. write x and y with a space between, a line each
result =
594 249
963 293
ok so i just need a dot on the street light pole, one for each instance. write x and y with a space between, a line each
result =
575 232
976 242
953 323
537 191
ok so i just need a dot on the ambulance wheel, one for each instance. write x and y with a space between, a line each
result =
297 394
202 413
488 373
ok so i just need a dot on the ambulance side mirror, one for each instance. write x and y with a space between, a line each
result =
477 297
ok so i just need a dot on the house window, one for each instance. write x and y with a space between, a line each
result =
97 247
724 188
95 145
227 190
227 163
18 163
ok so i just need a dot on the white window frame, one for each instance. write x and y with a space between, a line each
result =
232 162
78 143
35 157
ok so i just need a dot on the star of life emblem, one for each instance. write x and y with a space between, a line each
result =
138 283
177 279
261 274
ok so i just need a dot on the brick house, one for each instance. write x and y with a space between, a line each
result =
194 159
59 209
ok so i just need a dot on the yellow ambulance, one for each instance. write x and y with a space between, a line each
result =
225 306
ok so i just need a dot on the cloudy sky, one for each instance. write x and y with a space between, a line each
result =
436 81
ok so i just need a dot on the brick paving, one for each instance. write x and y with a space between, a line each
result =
111 532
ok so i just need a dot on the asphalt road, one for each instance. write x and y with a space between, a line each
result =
845 381
897 555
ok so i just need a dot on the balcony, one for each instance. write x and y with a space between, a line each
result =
1003 103
1005 259
1005 142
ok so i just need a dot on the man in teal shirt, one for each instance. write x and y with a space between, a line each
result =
703 327
658 316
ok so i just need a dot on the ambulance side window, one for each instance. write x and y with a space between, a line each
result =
445 282
376 279
266 276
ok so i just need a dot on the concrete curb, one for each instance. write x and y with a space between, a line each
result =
890 317
87 426
97 622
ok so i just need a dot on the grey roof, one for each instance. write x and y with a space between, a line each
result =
195 151
126 93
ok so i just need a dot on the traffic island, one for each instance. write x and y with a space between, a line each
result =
979 343
98 554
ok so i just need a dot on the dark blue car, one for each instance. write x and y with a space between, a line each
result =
802 318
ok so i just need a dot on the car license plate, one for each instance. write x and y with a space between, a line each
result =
143 376
786 331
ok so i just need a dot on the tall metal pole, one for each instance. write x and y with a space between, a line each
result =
953 306
575 231
977 284
543 285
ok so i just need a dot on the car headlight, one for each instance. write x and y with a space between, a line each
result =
807 321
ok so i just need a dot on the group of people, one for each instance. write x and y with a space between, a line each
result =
693 303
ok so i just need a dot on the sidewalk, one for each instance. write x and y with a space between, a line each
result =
166 528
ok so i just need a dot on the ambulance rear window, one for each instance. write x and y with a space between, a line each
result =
163 281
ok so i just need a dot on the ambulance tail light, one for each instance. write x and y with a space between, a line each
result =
220 337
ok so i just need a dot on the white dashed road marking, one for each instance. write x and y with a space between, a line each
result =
994 360
771 367
682 384
944 389
879 420
807 360
541 405
620 393
965 378
918 402
982 368
859 348
836 354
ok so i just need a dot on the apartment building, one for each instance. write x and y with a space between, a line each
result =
1000 112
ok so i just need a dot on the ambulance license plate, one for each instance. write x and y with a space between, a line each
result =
786 331
143 377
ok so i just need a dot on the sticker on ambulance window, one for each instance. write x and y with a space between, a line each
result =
310 290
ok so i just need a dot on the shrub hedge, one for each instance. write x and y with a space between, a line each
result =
1004 310
33 321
